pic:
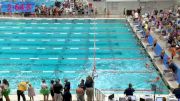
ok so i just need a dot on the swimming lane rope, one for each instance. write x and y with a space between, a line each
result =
94 64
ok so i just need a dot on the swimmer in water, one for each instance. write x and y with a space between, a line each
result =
147 65
154 80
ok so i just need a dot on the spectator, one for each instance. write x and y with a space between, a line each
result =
52 90
129 91
6 90
58 91
136 16
105 11
124 12
80 93
146 26
67 85
31 92
172 68
139 10
173 52
22 86
176 91
178 51
89 88
82 85
44 90
162 55
1 95
108 13
67 95
147 34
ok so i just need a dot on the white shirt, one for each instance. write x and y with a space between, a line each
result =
44 85
136 15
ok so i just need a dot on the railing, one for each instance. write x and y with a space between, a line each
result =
18 15
99 96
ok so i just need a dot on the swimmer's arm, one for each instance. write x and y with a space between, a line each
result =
151 80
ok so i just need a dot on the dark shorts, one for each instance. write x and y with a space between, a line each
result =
154 45
162 57
146 36
52 93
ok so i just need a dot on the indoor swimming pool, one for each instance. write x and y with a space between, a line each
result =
36 49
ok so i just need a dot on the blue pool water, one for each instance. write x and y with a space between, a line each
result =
32 50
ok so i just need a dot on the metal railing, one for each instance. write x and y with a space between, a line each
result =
99 96
21 15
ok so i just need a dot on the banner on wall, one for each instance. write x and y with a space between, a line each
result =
17 7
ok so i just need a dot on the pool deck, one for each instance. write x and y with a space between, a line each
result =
172 83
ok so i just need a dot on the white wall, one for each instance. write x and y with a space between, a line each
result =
178 2
100 5
148 6
118 6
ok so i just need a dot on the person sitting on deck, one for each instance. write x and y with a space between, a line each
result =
172 68
162 55
147 34
173 52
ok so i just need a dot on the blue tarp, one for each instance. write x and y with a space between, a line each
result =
177 73
150 40
165 60
158 50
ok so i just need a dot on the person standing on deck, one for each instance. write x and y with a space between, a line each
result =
58 91
129 91
21 88
89 88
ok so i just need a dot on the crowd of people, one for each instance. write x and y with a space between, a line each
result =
57 90
64 8
61 8
165 24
